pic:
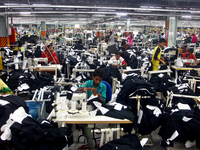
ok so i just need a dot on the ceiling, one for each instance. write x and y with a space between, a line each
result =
100 12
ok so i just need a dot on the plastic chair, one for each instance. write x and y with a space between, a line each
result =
108 92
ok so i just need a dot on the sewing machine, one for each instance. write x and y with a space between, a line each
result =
36 60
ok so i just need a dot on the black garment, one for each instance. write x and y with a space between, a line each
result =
110 72
126 142
78 46
124 113
156 53
32 135
14 103
150 121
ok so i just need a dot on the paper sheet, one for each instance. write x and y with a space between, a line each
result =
143 141
118 107
3 102
156 111
140 116
183 106
93 112
102 109
186 119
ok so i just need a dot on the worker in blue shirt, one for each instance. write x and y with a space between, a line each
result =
95 86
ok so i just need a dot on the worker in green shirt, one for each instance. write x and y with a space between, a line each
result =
95 87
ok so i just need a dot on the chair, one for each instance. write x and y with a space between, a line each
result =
108 91
108 98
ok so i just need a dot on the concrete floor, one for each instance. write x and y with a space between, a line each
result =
155 146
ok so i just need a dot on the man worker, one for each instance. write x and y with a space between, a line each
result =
189 55
95 87
156 59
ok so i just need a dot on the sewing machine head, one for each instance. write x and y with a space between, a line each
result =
36 60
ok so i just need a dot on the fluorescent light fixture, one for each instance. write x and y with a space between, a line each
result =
43 8
11 4
41 4
144 6
99 15
121 14
77 26
21 8
188 17
25 13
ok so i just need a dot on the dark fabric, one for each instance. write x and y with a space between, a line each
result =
110 72
15 103
156 53
126 142
32 135
150 121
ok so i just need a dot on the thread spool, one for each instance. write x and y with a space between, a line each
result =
73 105
84 104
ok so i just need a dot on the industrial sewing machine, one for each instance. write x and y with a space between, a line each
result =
36 60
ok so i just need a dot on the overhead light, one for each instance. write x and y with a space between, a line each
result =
99 15
188 17
121 14
77 26
43 8
11 4
41 4
25 13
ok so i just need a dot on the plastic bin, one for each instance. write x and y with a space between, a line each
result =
33 109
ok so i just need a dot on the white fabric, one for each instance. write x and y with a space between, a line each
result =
156 111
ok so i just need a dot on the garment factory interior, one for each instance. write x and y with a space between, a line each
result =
99 74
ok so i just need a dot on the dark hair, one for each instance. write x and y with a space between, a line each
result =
191 50
98 72
123 43
162 40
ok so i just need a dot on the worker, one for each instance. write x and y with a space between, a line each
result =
50 54
121 62
112 38
184 47
194 38
95 87
126 46
189 55
130 39
4 89
156 59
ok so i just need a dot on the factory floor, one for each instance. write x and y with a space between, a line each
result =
152 144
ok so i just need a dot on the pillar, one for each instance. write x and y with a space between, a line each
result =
43 28
112 26
56 26
171 30
3 32
128 25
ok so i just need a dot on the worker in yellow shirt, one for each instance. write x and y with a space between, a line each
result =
4 89
156 59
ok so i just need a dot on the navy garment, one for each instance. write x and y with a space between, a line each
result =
110 72
15 103
150 121
188 130
126 142
32 135
132 87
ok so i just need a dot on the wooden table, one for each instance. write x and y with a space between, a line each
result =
64 116
182 68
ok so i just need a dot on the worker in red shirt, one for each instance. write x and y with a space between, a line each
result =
189 55
194 39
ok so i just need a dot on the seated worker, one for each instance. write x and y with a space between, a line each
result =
156 59
121 62
79 45
95 87
126 46
4 89
50 54
189 55
184 47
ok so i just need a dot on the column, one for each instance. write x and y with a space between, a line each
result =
128 25
112 26
43 28
171 30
